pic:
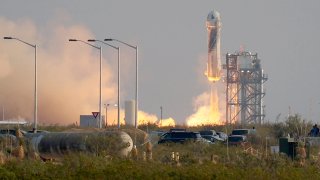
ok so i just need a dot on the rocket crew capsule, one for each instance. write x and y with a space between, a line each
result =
214 61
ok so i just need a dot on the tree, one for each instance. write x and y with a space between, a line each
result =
297 126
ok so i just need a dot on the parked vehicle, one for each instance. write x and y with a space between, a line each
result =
157 133
237 140
244 132
178 130
180 137
222 135
210 135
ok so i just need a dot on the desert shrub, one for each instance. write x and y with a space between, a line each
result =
297 126
81 166
6 174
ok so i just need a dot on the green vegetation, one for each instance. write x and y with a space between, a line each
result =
240 166
195 160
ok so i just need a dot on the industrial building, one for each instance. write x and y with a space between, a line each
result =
91 121
244 88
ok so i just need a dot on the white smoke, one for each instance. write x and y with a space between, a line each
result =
68 75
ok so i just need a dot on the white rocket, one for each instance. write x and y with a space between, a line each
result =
214 60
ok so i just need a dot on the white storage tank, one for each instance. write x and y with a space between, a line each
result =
54 145
129 112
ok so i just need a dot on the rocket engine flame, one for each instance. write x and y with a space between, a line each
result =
143 118
167 122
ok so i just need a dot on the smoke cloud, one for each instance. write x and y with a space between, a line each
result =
68 73
68 77
208 107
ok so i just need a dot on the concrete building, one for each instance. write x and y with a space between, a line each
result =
91 121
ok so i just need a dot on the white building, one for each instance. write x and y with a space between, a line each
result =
90 121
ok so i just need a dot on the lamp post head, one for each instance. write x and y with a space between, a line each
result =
7 37
108 39
73 40
92 40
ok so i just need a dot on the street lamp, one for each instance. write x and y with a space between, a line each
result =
100 97
161 116
117 48
35 115
136 98
2 113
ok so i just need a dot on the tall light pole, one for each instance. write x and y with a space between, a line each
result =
117 48
35 113
161 115
2 113
136 98
100 86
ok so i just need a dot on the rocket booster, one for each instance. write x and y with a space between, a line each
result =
214 61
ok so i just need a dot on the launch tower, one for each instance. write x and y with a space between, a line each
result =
244 91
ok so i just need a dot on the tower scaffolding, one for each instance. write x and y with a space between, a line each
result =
244 90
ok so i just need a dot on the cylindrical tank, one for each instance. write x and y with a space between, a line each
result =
129 112
214 60
56 144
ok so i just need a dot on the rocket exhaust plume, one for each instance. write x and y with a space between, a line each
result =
207 110
214 105
214 62
67 74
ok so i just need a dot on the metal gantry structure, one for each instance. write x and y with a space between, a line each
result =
244 90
